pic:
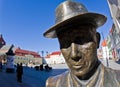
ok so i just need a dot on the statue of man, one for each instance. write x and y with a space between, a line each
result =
75 29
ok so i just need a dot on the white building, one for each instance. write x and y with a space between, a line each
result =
55 58
105 51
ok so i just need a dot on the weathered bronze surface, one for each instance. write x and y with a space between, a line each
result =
70 12
78 44
103 77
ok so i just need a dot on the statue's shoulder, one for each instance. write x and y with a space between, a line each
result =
110 70
117 72
113 74
53 81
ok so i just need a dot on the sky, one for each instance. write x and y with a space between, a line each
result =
23 22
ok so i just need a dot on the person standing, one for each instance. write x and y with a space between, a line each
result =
19 71
0 66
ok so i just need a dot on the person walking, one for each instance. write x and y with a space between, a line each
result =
19 71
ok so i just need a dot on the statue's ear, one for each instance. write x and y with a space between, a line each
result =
98 39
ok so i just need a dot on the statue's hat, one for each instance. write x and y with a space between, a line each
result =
70 12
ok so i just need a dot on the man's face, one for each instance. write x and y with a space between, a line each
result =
78 46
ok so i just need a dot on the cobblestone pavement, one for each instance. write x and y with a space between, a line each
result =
33 78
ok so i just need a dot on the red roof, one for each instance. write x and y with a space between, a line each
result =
104 43
53 53
56 53
26 52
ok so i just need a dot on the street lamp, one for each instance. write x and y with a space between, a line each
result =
47 53
42 52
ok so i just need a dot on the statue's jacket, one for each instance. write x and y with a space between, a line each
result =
103 77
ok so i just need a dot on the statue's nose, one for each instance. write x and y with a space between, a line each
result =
76 54
74 50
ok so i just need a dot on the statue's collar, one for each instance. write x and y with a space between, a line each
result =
91 82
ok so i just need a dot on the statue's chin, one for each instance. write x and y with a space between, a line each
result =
79 72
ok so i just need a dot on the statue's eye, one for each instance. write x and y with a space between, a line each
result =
79 40
82 40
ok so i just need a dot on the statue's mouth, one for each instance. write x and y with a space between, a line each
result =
77 62
77 66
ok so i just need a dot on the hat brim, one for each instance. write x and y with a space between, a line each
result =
94 18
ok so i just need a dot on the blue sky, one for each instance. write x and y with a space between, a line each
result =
23 22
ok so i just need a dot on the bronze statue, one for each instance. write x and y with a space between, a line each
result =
75 29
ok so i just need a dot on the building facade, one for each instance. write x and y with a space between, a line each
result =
21 56
26 57
114 34
55 58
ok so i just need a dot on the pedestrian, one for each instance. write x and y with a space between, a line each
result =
36 68
47 67
41 67
76 30
19 71
1 66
